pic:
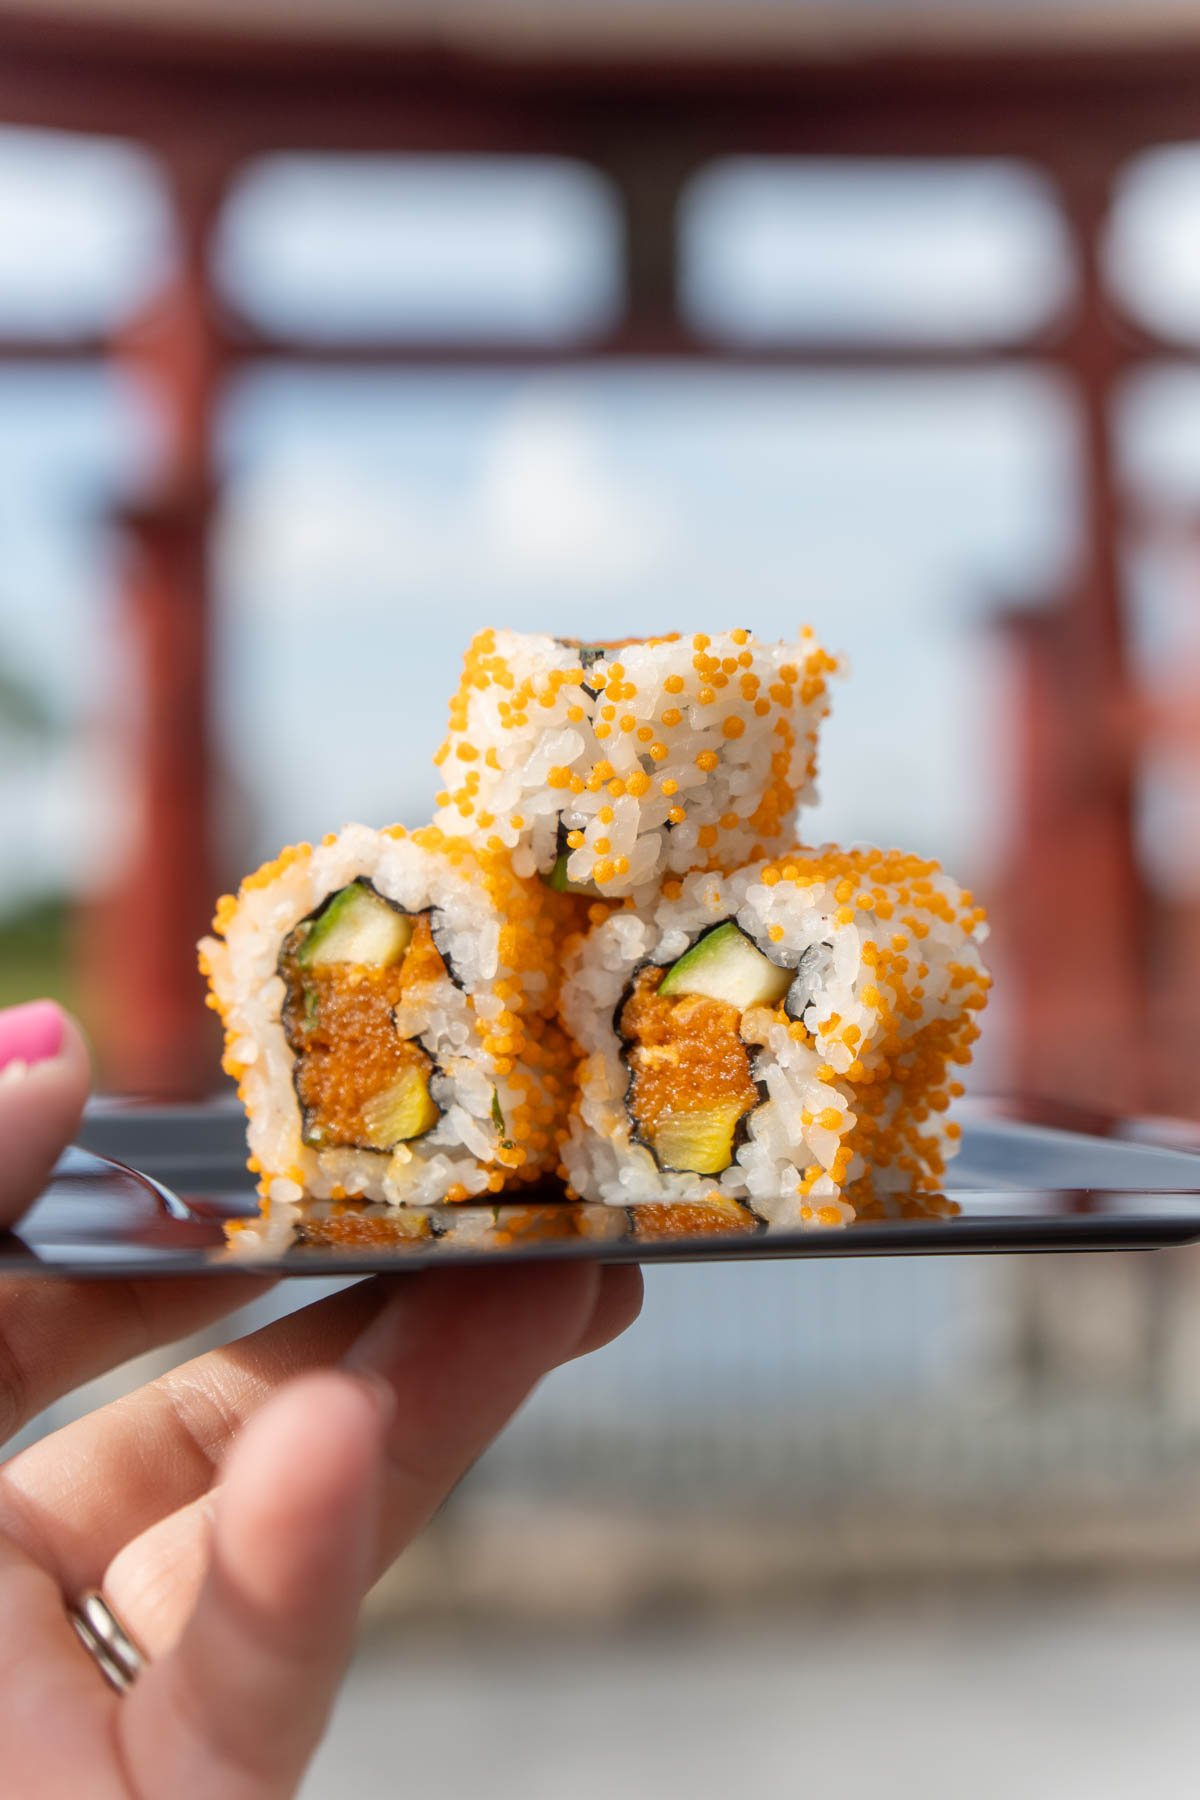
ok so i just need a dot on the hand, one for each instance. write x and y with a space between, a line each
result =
235 1511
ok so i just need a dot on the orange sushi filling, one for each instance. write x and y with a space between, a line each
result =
687 1062
337 1019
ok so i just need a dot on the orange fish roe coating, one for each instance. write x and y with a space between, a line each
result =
860 1060
543 732
901 1082
471 1005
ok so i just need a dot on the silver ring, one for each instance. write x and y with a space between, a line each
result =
106 1640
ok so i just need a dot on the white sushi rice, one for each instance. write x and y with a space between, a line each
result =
615 749
243 970
785 1168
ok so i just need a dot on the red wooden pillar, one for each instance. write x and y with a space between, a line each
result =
1061 928
1166 720
1072 922
153 1034
1112 901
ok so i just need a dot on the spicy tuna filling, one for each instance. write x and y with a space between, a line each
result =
360 1084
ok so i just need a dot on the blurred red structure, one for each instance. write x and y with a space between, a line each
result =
649 111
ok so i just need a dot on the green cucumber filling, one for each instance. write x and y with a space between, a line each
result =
726 965
556 877
561 882
345 969
690 1083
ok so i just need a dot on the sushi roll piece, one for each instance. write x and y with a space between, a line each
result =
789 1036
387 1000
604 766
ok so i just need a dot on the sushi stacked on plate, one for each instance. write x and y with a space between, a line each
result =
606 958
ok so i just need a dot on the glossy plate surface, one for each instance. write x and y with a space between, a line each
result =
1028 1178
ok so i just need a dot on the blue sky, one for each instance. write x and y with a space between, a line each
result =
371 523
650 498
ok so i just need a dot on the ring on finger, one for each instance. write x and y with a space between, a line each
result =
106 1640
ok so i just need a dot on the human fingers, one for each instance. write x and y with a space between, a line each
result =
56 1707
56 1335
618 1302
75 1497
78 1497
154 1577
460 1364
235 1709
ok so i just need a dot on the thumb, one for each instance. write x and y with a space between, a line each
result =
236 1709
44 1079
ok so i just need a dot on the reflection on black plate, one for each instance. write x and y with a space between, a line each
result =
1027 1179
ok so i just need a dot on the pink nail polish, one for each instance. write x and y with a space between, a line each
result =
31 1034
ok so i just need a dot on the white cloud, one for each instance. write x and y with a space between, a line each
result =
297 536
551 509
546 510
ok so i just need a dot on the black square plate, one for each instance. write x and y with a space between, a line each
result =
1028 1178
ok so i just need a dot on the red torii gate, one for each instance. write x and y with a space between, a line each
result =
207 103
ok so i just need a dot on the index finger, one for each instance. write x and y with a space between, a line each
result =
469 1337
56 1335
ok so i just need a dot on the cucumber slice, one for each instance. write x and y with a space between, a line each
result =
357 926
498 1121
699 1142
560 881
725 965
403 1110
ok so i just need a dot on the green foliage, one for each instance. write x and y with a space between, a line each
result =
34 953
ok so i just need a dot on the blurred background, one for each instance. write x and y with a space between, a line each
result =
329 333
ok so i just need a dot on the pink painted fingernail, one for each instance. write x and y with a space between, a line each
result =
32 1033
